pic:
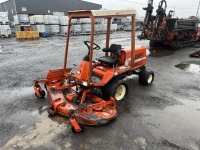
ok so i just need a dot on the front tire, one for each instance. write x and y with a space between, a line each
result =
117 89
146 77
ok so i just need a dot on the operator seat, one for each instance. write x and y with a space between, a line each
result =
114 58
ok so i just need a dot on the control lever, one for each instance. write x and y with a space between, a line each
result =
73 68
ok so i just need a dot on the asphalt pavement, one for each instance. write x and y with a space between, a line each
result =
163 116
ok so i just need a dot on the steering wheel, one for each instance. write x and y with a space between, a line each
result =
88 46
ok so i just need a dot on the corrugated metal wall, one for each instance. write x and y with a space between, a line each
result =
10 7
43 7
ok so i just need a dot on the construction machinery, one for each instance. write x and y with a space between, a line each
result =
163 29
88 94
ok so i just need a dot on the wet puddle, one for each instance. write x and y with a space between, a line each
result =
119 40
36 129
156 52
6 51
57 118
189 67
179 120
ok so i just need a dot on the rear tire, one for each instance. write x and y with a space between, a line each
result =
146 77
117 89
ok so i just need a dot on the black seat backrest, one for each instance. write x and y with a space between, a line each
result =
114 57
115 49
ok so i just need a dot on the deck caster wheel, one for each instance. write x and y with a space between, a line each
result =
81 127
41 94
51 112
146 77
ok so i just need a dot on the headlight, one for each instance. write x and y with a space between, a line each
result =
84 83
78 72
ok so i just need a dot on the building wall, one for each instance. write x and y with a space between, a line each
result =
43 7
10 7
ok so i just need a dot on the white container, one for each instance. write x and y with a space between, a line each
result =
98 27
5 30
99 20
16 20
38 19
86 28
76 28
104 27
113 27
54 28
4 18
64 20
4 14
120 27
31 19
50 19
46 19
74 21
85 20
127 27
17 28
40 28
47 28
58 13
21 18
63 29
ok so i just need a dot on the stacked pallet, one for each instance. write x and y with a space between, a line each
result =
37 23
23 27
85 25
21 21
75 27
4 18
52 24
63 24
98 25
5 30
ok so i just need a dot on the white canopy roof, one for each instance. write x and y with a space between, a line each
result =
113 12
99 13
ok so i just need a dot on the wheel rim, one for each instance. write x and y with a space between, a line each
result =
120 92
150 78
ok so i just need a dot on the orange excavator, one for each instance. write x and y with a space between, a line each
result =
88 95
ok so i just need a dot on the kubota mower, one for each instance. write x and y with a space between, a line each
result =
89 94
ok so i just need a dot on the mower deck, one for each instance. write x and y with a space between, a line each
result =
65 100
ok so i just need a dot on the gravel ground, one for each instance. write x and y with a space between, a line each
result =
162 116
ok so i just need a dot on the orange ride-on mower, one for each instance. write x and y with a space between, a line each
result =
89 94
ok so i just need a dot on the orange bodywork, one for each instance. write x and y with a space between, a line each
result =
71 93
67 104
84 69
